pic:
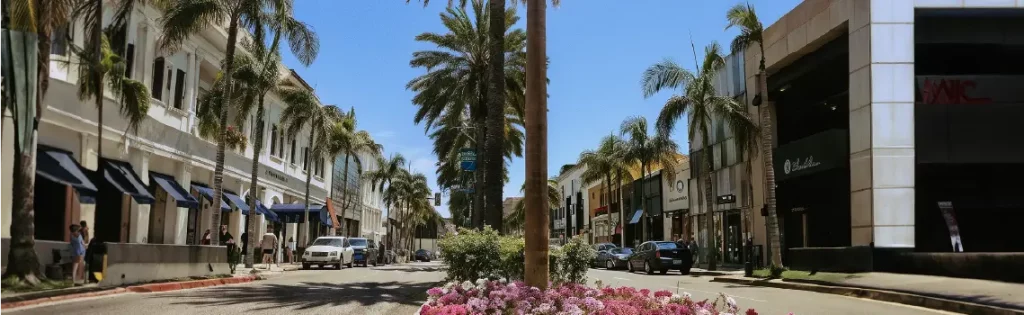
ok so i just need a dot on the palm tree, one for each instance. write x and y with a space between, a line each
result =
751 30
608 163
702 105
345 139
304 111
452 95
28 18
184 18
387 172
647 149
517 219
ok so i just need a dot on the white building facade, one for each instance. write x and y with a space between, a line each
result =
572 217
166 158
371 226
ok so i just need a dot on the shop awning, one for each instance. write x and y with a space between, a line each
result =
267 214
59 166
182 198
325 218
122 177
295 212
237 201
208 193
636 216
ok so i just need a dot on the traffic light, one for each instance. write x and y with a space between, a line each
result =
437 199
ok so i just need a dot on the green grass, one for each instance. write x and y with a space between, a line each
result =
805 275
13 285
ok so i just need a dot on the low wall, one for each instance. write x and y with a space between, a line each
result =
134 263
834 259
44 251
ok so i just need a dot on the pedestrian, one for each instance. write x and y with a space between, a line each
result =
229 241
268 244
207 238
84 232
695 250
77 247
291 249
245 246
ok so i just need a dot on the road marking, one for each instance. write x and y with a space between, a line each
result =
623 279
715 293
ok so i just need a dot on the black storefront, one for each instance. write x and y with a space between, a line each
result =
646 221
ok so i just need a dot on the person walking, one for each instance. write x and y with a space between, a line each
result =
228 240
268 244
77 247
695 251
291 250
245 246
207 238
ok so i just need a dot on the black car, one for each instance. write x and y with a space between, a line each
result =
422 255
364 251
613 258
660 256
600 247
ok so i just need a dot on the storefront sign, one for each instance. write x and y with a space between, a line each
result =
676 192
819 152
726 199
281 177
946 207
970 89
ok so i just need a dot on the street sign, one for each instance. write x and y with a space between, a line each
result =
467 154
468 165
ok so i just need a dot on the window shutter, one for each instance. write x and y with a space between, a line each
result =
129 60
157 90
179 89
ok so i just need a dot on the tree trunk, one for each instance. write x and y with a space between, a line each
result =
478 176
253 184
218 170
494 177
344 193
22 261
309 179
710 210
774 238
622 208
537 215
97 50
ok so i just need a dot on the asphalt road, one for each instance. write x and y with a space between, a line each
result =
763 299
359 290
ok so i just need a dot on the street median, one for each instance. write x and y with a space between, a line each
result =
42 297
876 294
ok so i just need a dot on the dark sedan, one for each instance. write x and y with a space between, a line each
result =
660 256
614 258
422 255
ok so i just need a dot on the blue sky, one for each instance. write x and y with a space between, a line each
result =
597 48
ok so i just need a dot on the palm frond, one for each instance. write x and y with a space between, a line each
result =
187 17
663 75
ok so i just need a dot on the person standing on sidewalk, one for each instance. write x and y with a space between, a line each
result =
269 243
77 247
291 250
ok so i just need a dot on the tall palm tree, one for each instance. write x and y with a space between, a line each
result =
28 18
608 163
184 18
345 139
517 219
387 172
702 105
646 149
751 30
452 95
303 111
537 251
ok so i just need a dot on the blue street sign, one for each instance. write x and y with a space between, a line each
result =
468 165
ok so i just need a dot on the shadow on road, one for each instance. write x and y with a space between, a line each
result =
309 295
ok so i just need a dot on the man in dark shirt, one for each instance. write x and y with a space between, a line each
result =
227 240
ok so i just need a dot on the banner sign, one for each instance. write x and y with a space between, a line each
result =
815 153
946 207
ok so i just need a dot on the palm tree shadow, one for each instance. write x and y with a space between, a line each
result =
309 295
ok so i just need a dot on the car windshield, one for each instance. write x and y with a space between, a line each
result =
667 245
327 242
358 242
422 251
622 251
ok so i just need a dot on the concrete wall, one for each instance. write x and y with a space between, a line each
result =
44 250
135 263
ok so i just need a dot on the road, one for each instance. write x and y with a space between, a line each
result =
763 299
383 290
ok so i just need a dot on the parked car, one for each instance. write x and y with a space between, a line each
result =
660 256
614 258
364 251
599 248
328 250
422 255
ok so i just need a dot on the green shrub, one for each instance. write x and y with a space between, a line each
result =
471 254
510 255
575 261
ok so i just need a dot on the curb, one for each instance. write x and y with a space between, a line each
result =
880 295
144 288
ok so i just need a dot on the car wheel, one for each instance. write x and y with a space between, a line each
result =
305 266
664 271
320 266
337 267
609 265
647 268
629 266
349 265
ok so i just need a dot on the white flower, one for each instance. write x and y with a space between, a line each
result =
686 295
503 280
445 290
481 281
663 300
729 300
467 285
449 285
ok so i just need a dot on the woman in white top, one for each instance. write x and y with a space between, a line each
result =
291 249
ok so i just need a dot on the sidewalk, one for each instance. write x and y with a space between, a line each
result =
952 294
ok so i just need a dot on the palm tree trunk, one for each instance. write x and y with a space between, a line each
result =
97 50
344 193
537 215
478 175
709 200
494 179
257 146
622 208
774 238
218 170
309 179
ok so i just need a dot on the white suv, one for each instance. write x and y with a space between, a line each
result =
328 250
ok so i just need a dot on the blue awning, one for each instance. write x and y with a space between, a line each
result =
237 201
175 191
325 218
59 166
295 212
267 214
208 193
636 216
122 177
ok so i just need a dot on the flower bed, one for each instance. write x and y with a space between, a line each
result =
500 297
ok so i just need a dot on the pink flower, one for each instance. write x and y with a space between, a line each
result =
663 293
